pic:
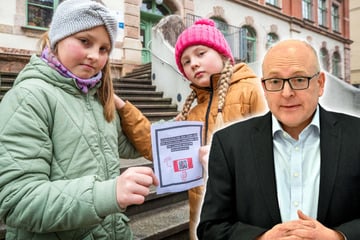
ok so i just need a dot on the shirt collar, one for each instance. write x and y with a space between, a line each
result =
276 127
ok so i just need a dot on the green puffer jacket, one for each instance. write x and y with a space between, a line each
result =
59 160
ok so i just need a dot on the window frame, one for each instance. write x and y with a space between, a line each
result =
272 2
324 58
248 38
335 18
322 13
307 10
36 19
336 64
151 7
271 38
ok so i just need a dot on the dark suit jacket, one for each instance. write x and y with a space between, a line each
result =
241 197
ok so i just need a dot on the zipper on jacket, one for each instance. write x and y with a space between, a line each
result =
88 104
211 92
90 107
100 141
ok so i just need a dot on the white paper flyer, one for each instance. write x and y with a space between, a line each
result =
175 147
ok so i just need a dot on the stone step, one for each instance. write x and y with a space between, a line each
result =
144 81
155 201
139 75
5 88
161 223
140 71
141 161
6 81
154 117
147 93
131 86
145 108
148 100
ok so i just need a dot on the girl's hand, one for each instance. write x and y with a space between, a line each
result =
119 103
133 185
204 152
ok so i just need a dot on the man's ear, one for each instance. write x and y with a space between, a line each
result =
321 81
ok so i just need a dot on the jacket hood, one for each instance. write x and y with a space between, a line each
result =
245 73
38 69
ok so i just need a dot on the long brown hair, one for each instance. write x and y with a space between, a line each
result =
105 92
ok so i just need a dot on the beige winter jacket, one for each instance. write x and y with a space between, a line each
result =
244 99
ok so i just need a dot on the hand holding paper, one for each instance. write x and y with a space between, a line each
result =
176 155
132 186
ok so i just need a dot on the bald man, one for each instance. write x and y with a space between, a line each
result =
293 173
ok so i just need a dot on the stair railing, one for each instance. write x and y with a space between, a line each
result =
165 74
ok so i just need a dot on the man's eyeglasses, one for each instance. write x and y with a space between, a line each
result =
296 83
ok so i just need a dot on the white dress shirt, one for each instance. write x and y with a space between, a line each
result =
297 169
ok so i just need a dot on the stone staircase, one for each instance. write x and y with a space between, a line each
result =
138 89
162 216
6 82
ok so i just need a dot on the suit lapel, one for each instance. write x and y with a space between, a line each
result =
264 163
330 140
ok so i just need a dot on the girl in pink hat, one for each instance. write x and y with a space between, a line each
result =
225 93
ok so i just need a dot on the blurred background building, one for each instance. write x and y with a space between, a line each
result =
251 27
355 46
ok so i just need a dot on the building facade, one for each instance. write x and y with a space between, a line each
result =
355 46
251 26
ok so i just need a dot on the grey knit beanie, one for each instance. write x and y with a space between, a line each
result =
73 16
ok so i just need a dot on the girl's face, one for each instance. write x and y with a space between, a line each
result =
200 62
85 53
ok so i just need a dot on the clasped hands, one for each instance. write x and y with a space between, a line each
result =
303 228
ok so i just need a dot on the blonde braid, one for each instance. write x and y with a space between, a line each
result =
223 88
187 105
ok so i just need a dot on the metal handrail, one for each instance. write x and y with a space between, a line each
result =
148 48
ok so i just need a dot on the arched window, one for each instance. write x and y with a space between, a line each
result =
229 35
336 66
248 44
221 25
324 58
271 38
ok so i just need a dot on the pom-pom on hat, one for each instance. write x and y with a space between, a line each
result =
202 32
73 16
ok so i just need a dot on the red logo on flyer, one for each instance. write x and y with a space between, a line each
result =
182 164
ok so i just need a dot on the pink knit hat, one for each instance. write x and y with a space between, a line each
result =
203 32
